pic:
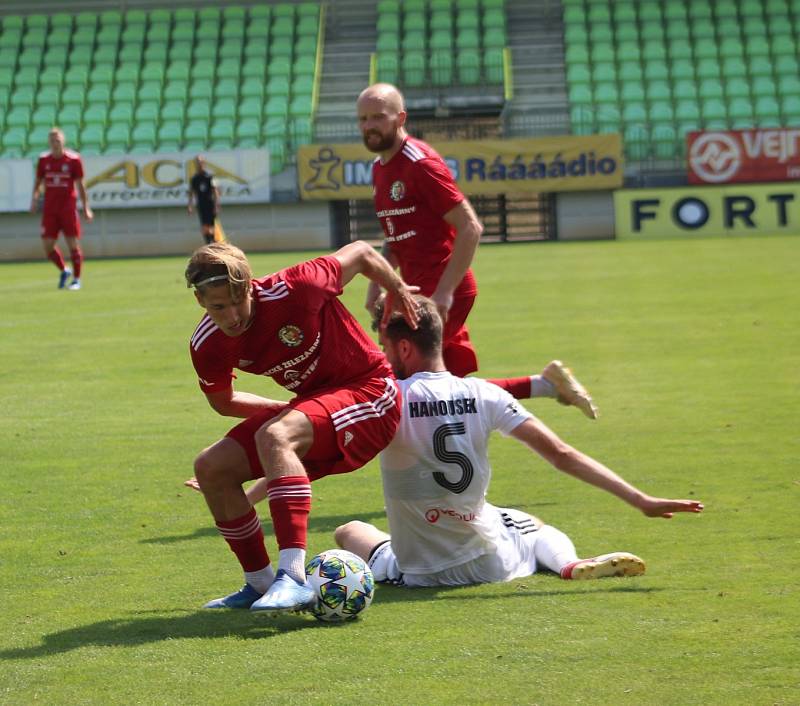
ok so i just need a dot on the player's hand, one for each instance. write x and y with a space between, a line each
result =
88 214
664 507
443 303
402 300
189 209
193 484
34 206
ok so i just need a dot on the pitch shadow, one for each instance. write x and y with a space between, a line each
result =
142 628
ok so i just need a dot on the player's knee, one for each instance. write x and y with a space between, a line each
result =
272 438
343 534
206 469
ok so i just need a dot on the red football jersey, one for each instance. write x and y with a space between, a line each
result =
413 191
301 336
59 176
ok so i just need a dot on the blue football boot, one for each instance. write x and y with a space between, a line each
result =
63 277
286 595
242 599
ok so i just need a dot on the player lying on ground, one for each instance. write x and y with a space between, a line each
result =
292 327
436 475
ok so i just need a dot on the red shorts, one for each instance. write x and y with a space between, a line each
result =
457 350
351 426
63 220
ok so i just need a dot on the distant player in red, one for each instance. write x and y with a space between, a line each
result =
60 171
431 233
289 326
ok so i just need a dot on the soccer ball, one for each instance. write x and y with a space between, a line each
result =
343 583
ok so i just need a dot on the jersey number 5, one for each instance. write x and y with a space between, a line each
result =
441 452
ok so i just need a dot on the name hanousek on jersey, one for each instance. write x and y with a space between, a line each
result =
436 471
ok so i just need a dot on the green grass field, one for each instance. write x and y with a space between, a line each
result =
690 348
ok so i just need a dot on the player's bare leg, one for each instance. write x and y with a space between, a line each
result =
359 537
281 444
220 471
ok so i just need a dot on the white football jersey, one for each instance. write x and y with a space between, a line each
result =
436 470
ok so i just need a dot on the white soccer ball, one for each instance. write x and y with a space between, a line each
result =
343 583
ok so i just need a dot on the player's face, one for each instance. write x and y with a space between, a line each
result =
392 354
378 123
56 140
233 317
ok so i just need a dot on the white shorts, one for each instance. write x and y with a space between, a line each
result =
513 559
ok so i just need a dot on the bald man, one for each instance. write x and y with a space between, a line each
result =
431 233
431 230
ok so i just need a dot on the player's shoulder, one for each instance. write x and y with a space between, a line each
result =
204 331
416 151
272 287
72 154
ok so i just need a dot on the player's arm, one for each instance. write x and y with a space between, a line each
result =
232 403
88 214
190 196
468 234
374 289
567 459
359 258
37 185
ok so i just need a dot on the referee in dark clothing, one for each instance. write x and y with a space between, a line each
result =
203 187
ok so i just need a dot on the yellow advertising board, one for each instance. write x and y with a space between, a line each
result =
743 209
564 163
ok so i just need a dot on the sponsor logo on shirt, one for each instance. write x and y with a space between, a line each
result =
397 190
433 514
396 212
291 335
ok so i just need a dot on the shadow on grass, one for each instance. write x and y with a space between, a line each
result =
316 523
143 628
394 594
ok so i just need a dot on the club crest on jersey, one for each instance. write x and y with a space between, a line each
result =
291 335
397 191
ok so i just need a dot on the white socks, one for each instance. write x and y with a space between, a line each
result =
260 580
553 549
541 387
293 562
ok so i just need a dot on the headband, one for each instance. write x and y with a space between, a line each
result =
208 280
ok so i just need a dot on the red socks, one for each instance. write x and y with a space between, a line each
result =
57 259
246 540
520 388
77 260
289 504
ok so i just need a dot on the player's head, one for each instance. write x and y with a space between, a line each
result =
55 139
200 162
381 117
410 350
220 275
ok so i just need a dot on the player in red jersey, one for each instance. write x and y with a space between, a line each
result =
60 171
291 327
431 232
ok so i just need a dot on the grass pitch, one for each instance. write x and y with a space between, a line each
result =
689 347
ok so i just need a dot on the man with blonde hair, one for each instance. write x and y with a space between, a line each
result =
291 327
436 476
58 173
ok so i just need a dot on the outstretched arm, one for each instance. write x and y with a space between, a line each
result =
567 459
374 289
360 258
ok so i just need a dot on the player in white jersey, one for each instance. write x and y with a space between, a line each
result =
436 476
